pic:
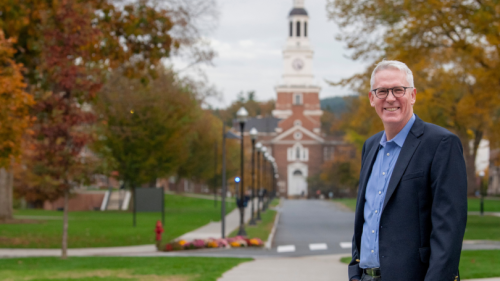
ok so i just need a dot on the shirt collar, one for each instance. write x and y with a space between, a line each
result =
401 136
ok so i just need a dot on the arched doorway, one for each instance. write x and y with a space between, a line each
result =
298 184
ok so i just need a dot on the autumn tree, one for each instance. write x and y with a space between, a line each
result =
14 120
452 48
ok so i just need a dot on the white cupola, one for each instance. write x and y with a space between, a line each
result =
298 53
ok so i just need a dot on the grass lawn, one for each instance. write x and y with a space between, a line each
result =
275 202
350 203
262 229
117 268
473 264
490 205
482 228
107 229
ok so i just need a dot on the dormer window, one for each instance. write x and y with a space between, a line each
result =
297 99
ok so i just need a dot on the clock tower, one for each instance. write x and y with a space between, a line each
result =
298 53
299 143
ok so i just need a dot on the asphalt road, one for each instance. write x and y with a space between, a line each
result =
313 227
305 228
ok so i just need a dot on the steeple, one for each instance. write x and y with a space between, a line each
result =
298 52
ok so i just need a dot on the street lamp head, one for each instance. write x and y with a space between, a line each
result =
266 155
237 179
258 146
481 173
253 133
242 115
276 176
263 149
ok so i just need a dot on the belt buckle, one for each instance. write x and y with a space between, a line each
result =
373 272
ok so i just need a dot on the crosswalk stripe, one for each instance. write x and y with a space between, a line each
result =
319 246
346 245
286 249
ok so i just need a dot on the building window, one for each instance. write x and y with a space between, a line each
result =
298 29
328 153
297 99
297 123
305 29
298 153
291 29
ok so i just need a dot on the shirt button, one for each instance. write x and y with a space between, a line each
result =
373 231
388 154
373 251
380 192
383 173
376 211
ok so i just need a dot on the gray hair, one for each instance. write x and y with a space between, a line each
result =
393 64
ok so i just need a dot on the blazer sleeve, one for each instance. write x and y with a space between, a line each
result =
449 209
354 269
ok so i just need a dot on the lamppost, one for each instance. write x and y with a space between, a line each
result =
253 135
242 116
225 135
481 188
263 183
258 146
265 198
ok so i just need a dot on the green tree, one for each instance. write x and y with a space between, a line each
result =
148 128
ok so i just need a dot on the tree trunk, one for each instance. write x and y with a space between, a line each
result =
64 254
470 154
6 182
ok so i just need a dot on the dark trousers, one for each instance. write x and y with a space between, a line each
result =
369 278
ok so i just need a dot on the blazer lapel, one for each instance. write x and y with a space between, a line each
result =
407 151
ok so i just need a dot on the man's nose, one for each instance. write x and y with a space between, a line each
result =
390 97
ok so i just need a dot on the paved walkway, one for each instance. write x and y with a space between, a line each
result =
214 229
496 214
317 268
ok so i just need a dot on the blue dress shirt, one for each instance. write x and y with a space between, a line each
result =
375 194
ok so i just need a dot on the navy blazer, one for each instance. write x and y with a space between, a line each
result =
425 208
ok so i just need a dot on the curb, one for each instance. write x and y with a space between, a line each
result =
270 238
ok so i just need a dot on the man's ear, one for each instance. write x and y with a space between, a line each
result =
371 96
413 96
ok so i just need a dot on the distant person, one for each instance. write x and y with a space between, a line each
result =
412 201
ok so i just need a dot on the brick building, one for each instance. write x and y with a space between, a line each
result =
293 134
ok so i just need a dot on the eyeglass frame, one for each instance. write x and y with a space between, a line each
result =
391 90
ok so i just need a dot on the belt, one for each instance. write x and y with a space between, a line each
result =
374 272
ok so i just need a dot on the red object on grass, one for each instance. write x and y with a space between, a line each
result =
158 230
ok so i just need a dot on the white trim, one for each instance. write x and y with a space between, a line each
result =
282 114
297 88
126 201
293 130
317 112
105 201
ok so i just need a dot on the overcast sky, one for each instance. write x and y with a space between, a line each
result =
249 40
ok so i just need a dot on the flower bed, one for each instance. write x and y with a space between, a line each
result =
233 242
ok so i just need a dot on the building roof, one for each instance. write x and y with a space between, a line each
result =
263 125
298 12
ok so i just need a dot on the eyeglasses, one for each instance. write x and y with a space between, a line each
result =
397 92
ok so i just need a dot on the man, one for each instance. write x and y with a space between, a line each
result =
412 201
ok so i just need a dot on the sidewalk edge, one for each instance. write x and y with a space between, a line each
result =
270 238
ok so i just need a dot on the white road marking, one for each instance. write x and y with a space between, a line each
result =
286 249
319 246
346 245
